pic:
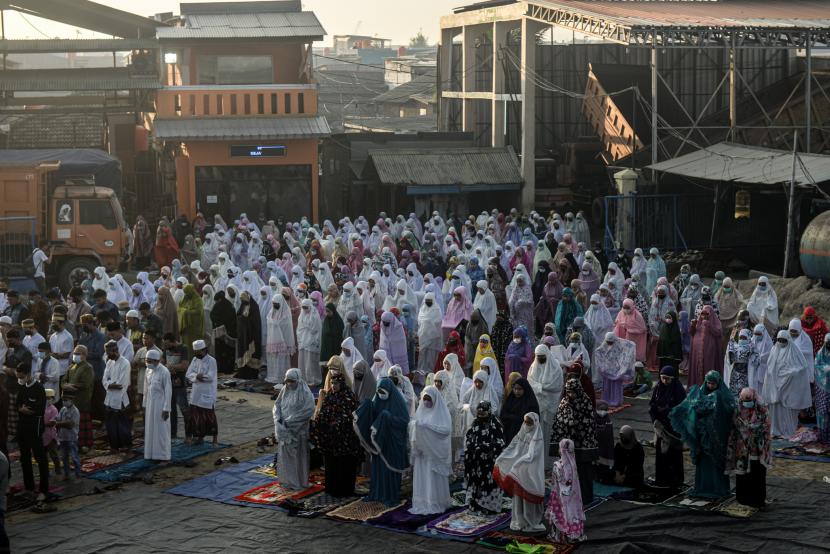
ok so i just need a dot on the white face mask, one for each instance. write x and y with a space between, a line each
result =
76 358
383 394
517 341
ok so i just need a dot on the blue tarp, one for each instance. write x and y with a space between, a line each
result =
75 162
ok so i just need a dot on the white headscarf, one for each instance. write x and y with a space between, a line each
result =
429 323
380 369
616 360
430 435
309 327
547 379
292 409
474 395
349 302
280 337
523 461
251 283
457 376
598 318
763 304
100 281
495 382
403 295
236 300
405 386
804 343
485 302
354 356
115 293
788 376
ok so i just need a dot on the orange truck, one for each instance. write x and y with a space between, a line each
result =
83 224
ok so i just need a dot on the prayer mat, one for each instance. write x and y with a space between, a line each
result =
460 499
733 508
646 495
16 500
401 521
614 409
603 490
269 470
274 493
360 510
180 452
499 540
96 463
321 503
802 445
467 524
684 500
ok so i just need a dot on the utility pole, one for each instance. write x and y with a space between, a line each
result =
791 211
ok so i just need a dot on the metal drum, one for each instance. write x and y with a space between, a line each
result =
815 248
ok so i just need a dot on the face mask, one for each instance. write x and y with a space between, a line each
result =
112 356
276 306
41 355
151 365
67 403
748 404
21 382
743 342
517 341
542 359
383 394
782 344
602 413
76 358
428 402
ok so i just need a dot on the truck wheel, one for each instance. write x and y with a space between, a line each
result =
72 272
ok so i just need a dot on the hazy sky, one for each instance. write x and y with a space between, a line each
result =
394 19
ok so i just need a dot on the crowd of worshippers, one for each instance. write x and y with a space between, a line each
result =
499 339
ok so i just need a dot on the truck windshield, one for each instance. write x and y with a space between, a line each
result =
98 212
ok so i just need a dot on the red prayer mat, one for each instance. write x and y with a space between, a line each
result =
274 493
615 409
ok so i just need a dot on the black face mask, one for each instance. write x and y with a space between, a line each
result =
386 324
542 360
395 380
358 375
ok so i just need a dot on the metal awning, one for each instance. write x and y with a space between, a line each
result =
738 163
97 78
233 128
297 25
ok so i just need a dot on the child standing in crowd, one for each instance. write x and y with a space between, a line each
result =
67 423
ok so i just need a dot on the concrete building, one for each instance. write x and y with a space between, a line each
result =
238 114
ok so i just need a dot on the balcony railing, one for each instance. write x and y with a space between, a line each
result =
236 101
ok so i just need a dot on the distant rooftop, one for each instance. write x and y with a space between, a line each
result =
251 20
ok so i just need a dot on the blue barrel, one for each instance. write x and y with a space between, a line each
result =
815 248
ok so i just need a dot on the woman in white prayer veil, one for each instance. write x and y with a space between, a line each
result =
115 293
349 301
460 382
491 366
350 356
479 392
485 302
380 364
377 290
405 387
430 335
367 305
763 305
430 442
520 472
786 385
520 270
598 318
292 411
309 336
403 296
232 293
435 290
414 278
443 382
322 272
280 344
547 379
802 340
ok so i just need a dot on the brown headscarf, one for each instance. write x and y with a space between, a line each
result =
166 310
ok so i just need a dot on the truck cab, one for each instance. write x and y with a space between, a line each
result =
87 229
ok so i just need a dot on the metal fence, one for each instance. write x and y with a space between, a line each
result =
17 241
642 221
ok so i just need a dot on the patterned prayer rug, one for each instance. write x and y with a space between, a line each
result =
100 462
684 500
733 509
468 524
498 540
361 510
321 503
460 499
274 493
401 520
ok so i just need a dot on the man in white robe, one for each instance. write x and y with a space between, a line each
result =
202 374
158 390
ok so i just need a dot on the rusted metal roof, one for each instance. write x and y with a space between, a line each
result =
738 163
793 14
246 25
232 128
467 169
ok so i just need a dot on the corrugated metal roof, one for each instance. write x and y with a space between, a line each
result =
421 88
55 130
246 25
413 124
24 46
727 161
232 128
99 78
725 14
465 167
257 6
